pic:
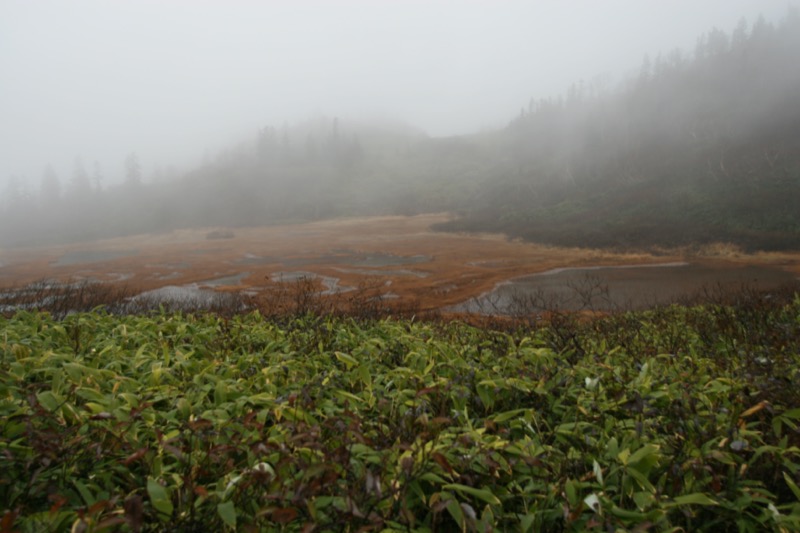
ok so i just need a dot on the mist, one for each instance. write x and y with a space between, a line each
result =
176 82
277 248
621 125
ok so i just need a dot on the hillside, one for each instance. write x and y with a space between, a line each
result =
699 147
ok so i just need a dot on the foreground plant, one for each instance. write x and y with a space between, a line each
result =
668 420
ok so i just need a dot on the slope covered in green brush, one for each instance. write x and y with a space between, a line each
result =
673 419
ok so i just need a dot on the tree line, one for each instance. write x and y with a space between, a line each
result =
697 146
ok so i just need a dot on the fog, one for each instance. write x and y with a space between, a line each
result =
175 82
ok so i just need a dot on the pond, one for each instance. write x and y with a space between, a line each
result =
234 279
620 287
184 297
330 283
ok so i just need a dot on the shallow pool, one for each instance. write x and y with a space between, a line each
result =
620 287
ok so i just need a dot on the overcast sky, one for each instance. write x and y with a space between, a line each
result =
173 79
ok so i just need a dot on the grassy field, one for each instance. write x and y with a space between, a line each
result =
673 419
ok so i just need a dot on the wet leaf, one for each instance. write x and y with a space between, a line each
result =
159 497
482 494
227 511
697 498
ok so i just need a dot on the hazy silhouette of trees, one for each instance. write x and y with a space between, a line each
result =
698 145
13 194
50 189
693 148
16 206
80 186
97 177
133 171
732 89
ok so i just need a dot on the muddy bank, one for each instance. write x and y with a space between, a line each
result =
425 269
79 257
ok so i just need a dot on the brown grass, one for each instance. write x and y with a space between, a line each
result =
461 266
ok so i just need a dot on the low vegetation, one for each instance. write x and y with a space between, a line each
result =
681 418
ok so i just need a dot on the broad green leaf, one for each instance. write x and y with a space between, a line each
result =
640 478
159 497
86 495
91 395
571 490
457 513
486 395
347 359
526 522
792 485
696 498
348 396
220 392
261 398
508 415
95 407
645 451
483 494
628 514
365 375
48 400
227 511
644 500
792 413
433 478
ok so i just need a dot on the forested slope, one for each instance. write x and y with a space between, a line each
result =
700 146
